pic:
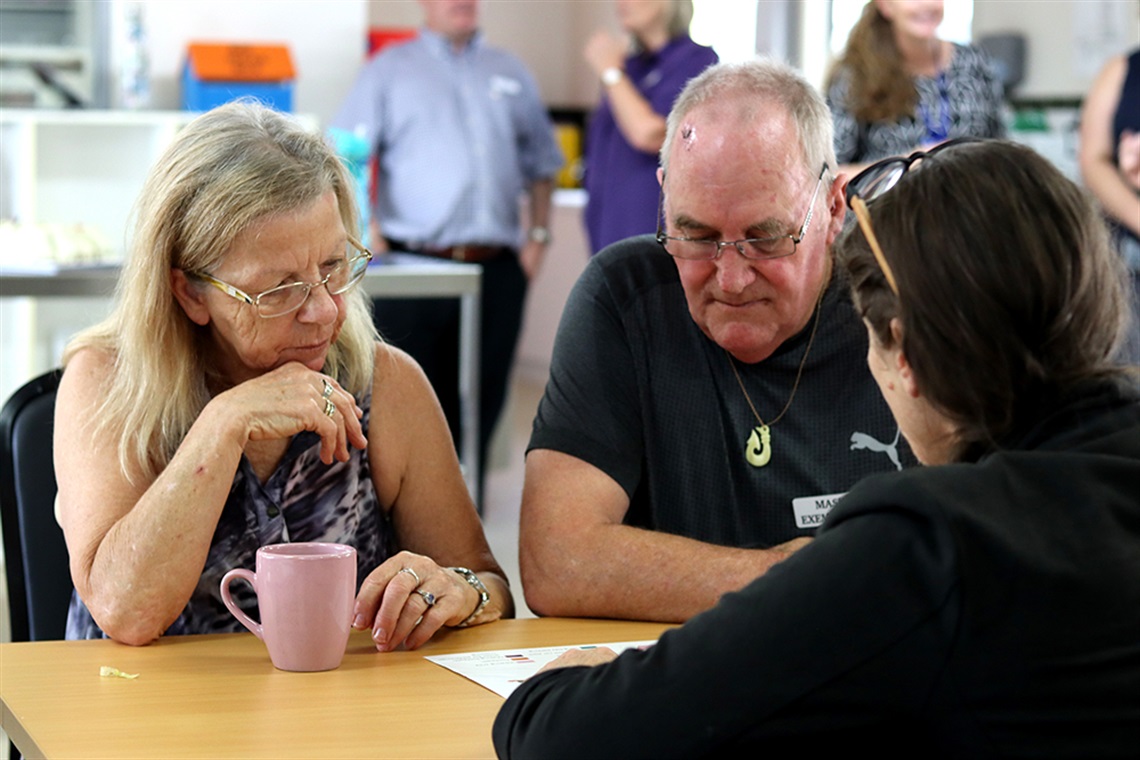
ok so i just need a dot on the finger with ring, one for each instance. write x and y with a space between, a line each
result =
410 572
330 408
328 391
428 597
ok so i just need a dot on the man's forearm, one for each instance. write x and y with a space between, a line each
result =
617 571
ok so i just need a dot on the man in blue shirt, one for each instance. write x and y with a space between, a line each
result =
460 133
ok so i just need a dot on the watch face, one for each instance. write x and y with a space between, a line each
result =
611 76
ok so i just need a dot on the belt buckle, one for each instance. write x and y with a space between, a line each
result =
459 253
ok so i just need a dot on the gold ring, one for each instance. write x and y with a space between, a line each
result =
328 388
330 408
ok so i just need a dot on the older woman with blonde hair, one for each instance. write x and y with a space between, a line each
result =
237 396
641 76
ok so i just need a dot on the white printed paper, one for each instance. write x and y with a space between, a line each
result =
503 670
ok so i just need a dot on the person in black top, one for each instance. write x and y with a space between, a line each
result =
708 398
986 605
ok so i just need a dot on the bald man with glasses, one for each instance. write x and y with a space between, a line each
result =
709 398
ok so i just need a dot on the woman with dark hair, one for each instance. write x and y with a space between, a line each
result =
986 605
898 87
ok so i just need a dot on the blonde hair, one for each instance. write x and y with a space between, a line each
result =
225 170
880 89
680 16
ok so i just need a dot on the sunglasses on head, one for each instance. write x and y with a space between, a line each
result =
876 180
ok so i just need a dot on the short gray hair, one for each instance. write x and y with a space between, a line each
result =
759 85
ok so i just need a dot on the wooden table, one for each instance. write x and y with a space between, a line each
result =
219 696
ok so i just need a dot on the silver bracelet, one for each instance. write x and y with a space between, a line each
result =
484 597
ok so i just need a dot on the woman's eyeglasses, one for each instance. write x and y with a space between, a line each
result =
286 299
877 179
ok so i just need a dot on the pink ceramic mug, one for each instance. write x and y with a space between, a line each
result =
305 593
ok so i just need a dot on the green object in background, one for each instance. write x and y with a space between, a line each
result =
1030 120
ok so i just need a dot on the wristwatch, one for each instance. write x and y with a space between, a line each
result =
484 597
611 76
539 235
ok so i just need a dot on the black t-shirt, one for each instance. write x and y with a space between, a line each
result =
637 390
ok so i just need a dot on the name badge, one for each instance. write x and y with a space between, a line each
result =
501 85
811 511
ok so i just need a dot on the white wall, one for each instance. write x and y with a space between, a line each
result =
548 35
1067 40
326 38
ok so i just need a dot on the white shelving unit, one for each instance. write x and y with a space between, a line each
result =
86 167
68 167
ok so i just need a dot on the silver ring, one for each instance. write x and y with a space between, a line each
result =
428 597
330 408
328 388
410 572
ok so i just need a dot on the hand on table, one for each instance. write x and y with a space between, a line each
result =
408 598
293 398
572 658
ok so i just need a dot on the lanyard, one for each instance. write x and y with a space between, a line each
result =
937 132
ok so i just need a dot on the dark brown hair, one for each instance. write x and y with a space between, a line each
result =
1010 295
879 89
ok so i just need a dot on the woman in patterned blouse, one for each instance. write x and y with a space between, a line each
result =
898 87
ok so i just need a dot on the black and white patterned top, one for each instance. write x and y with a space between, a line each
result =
972 91
303 500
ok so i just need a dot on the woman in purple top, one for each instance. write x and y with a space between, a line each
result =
641 79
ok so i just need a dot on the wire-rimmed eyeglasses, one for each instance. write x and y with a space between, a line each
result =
339 276
877 179
751 248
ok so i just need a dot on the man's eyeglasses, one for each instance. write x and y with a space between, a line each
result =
751 248
340 276
877 179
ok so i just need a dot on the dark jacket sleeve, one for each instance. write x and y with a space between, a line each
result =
798 655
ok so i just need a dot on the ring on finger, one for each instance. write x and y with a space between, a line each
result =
428 597
327 392
330 408
410 572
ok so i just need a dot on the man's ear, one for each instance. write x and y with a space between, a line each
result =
836 199
660 176
189 297
902 368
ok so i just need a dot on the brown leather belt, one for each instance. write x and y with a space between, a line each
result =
469 254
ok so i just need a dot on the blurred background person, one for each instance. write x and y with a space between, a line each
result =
460 133
897 87
641 76
986 605
237 397
1110 165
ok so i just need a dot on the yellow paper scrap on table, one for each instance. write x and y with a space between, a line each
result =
106 671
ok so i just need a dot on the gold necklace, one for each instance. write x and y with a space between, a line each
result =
758 448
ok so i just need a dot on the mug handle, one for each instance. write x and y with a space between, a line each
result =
244 619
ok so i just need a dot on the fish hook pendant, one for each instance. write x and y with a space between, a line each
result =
758 450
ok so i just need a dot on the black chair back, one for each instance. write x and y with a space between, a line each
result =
35 555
